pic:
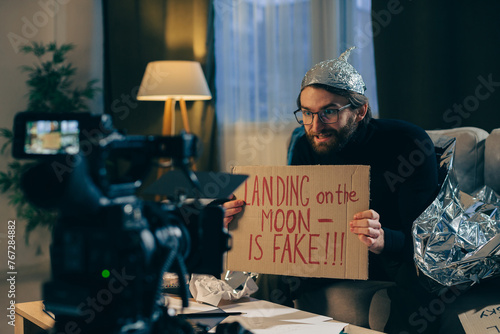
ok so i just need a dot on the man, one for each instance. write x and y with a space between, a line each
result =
338 129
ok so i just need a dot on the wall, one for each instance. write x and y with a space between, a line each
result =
25 21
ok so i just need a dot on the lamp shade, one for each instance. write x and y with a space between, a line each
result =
175 80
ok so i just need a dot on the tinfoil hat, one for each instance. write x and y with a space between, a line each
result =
337 73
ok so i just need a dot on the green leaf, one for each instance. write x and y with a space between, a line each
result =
67 47
6 133
5 145
38 49
15 165
52 47
5 182
26 49
26 68
47 67
68 70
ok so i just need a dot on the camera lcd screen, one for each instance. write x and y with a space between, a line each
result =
50 137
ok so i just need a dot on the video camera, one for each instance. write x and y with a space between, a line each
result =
109 248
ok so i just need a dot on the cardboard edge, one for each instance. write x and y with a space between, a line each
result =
361 255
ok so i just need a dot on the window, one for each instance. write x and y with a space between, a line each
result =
262 52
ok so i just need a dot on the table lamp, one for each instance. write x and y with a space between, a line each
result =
172 81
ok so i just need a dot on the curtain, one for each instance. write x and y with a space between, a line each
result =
262 53
139 31
340 24
437 62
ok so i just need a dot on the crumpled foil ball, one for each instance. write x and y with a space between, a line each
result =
211 290
457 238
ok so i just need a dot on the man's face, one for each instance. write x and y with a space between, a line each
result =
327 138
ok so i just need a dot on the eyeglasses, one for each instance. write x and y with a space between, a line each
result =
327 116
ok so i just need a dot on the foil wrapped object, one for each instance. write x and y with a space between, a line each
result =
457 238
210 290
337 73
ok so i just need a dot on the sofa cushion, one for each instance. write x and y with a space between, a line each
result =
380 308
469 155
345 301
492 161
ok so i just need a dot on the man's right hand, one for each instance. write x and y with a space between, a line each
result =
232 207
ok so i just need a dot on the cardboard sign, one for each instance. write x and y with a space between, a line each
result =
485 320
296 221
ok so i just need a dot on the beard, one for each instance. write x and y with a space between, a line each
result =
340 138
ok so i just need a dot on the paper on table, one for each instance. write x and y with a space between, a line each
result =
263 317
210 290
266 317
482 320
320 328
194 307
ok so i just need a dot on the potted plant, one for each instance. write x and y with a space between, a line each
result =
50 90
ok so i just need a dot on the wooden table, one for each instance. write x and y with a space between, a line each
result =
30 318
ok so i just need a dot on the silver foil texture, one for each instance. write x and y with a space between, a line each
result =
457 238
337 73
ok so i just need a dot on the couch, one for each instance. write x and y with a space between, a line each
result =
477 157
477 160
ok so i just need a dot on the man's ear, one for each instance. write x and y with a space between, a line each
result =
361 112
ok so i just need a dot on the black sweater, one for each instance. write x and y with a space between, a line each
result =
403 180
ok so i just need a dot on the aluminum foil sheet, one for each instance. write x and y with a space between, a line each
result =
457 238
337 73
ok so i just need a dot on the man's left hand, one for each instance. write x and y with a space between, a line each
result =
367 226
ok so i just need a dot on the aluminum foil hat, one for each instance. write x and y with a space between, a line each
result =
337 73
457 238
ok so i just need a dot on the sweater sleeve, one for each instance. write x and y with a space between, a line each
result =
295 149
416 188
